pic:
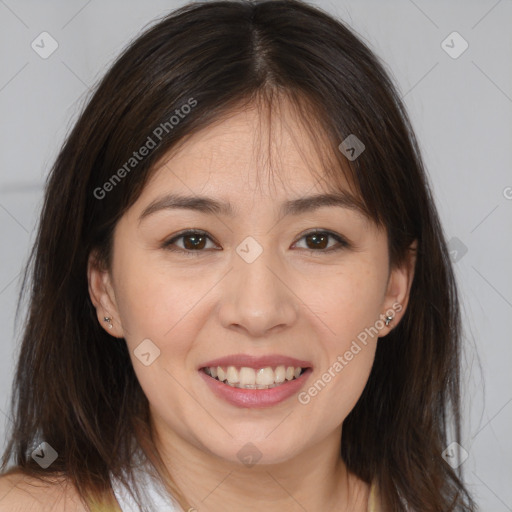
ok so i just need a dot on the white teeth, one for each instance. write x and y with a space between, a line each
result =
232 375
249 378
280 374
265 376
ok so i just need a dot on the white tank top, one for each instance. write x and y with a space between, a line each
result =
155 497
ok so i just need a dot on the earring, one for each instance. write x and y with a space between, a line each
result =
109 321
388 320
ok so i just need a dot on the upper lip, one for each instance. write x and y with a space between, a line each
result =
272 360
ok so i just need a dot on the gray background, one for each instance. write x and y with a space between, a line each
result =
461 109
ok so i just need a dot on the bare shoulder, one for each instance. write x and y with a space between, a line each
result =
19 492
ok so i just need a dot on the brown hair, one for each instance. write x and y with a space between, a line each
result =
75 387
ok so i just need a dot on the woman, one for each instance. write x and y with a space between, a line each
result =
242 297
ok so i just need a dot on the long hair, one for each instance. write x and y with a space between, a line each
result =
75 387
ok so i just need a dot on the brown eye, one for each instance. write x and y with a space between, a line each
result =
194 242
189 242
319 241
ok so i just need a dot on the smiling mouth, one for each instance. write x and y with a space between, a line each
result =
251 378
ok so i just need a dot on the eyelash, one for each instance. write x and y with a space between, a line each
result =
168 245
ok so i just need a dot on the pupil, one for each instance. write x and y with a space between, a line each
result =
315 237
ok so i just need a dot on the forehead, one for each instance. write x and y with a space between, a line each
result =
256 148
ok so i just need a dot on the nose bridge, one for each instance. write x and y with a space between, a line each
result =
257 300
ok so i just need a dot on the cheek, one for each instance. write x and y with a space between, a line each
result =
349 305
338 382
161 307
154 302
348 301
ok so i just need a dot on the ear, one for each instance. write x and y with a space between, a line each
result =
103 296
398 290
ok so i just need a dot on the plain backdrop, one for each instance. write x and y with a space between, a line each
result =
461 108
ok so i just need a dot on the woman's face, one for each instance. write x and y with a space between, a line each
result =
255 293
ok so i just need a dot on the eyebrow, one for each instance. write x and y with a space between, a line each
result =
291 207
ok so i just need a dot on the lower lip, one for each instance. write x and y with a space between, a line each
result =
255 398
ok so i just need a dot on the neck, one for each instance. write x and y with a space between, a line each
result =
315 479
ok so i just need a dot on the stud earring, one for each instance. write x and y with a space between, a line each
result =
388 320
109 321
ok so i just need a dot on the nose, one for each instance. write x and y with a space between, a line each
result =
257 300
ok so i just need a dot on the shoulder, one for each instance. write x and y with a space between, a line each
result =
19 492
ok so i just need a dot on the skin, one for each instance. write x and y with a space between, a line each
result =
22 493
308 304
